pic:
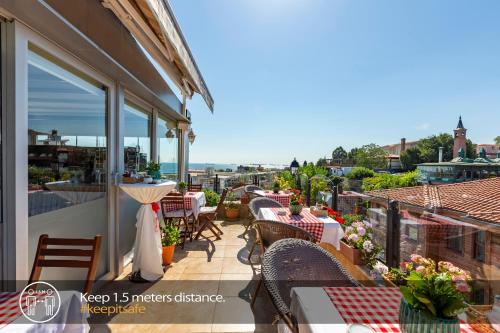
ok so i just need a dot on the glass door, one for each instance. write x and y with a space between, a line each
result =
67 157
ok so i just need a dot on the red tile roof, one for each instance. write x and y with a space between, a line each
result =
479 199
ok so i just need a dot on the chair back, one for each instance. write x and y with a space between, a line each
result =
195 187
290 263
250 191
220 204
173 199
88 248
270 232
262 202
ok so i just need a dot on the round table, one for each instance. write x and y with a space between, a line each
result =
147 246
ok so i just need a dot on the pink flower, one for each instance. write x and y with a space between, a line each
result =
420 269
353 237
416 257
462 287
361 231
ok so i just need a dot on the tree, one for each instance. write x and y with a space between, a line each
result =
371 156
339 154
470 153
497 140
410 158
429 147
352 155
304 164
321 162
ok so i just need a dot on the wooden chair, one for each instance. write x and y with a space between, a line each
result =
91 252
181 214
195 187
208 215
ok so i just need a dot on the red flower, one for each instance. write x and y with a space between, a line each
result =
339 220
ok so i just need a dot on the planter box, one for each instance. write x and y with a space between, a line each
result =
352 254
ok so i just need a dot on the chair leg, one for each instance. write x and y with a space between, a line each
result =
254 297
217 228
208 224
251 251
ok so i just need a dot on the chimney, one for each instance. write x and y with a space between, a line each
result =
441 154
403 145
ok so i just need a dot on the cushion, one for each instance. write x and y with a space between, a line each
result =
178 213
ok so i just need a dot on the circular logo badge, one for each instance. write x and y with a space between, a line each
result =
39 302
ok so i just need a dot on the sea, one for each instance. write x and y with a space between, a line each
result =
172 167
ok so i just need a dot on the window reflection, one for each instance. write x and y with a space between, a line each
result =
167 147
67 147
137 142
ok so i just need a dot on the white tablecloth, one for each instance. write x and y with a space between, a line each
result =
198 200
69 319
147 247
315 311
332 231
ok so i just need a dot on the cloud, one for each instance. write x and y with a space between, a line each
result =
423 127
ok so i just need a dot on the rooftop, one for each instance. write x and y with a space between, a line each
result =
478 199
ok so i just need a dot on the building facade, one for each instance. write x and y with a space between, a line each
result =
90 90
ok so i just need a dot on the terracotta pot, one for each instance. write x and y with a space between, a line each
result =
167 254
232 213
352 254
245 200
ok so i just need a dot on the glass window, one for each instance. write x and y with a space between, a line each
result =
137 137
455 239
67 158
66 137
167 147
479 245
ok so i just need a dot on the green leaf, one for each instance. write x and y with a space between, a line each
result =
427 302
408 295
453 308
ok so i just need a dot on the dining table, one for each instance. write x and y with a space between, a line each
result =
282 197
193 201
323 229
69 317
147 262
334 309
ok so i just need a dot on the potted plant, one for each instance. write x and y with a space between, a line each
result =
170 237
357 245
181 186
296 202
231 208
276 186
433 295
153 170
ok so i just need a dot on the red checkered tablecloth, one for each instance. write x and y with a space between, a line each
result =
373 306
9 307
305 220
282 197
188 202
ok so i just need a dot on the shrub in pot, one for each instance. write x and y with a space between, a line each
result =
276 187
357 244
181 186
211 197
231 207
296 202
153 170
170 237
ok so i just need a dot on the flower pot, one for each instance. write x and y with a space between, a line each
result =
276 190
295 209
167 254
352 254
417 321
232 213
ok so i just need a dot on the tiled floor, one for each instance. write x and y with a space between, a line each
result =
214 267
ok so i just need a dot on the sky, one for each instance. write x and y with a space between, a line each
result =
297 78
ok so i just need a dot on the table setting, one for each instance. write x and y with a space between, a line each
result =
283 197
323 228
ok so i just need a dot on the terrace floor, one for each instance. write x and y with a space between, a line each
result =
224 266
208 266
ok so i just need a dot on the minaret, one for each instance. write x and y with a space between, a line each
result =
460 138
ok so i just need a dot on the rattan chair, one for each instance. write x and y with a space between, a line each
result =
269 232
250 191
208 215
257 203
290 263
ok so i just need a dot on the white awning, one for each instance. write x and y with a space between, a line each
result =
153 25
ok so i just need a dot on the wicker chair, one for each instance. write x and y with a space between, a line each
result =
258 203
290 263
250 191
269 232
